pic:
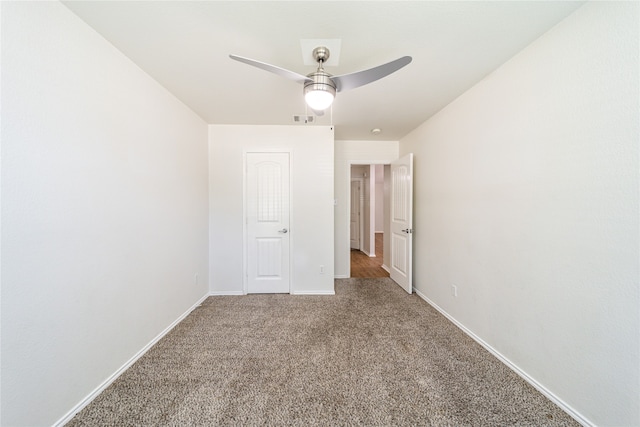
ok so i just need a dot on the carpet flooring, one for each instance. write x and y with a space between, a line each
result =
371 355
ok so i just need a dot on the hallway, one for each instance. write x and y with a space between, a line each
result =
364 266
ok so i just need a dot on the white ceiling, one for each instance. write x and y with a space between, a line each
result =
185 45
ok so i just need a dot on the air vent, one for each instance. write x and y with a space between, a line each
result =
303 119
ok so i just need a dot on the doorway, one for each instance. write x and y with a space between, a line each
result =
369 193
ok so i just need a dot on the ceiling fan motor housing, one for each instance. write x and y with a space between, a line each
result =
320 80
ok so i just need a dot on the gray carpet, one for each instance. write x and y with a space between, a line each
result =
372 355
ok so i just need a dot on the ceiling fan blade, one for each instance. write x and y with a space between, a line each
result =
361 78
272 68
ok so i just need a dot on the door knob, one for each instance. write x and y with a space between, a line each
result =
283 231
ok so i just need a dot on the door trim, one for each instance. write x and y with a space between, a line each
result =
347 238
361 204
245 231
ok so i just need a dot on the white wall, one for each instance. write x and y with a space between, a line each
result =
526 198
104 211
346 154
311 198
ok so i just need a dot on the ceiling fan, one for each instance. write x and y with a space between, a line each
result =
320 87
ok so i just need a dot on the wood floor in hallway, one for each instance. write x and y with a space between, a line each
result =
363 265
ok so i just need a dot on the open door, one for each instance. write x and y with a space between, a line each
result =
402 222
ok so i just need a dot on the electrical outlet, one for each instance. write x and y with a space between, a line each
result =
454 290
322 269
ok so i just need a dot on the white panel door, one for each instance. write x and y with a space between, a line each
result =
354 223
402 222
267 220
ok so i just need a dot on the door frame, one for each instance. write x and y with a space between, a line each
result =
360 222
245 231
347 236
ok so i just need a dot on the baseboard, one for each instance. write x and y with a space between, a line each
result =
84 402
219 293
341 276
228 293
542 389
385 268
332 292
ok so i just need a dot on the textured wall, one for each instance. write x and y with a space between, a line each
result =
526 198
104 211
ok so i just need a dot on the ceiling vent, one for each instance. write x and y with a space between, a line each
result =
303 119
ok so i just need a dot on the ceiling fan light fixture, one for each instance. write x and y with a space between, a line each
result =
320 91
318 99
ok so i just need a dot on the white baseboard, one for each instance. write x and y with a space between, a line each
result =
228 293
313 292
385 268
341 276
542 389
84 402
219 293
